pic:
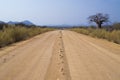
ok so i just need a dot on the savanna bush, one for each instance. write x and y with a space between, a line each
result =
113 36
13 34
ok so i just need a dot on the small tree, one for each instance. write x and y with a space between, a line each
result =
99 19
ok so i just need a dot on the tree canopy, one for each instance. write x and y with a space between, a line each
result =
99 19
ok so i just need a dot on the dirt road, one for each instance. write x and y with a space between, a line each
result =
61 55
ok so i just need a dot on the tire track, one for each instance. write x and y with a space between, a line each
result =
88 60
31 60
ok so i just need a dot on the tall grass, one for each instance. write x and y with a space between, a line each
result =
113 36
14 34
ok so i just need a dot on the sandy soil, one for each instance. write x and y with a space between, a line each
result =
90 58
61 55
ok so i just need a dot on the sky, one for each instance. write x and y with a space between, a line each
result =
57 12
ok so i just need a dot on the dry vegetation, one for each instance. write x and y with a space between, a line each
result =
113 35
12 34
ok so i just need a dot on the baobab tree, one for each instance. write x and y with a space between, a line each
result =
99 19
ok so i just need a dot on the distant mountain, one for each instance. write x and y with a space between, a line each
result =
1 22
63 25
11 22
26 22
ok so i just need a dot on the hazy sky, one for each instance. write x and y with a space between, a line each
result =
57 12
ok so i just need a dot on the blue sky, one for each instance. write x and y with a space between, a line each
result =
57 12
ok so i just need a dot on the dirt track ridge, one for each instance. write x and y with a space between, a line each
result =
58 65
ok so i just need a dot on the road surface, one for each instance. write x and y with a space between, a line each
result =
61 55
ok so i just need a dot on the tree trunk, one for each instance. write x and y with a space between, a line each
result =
99 25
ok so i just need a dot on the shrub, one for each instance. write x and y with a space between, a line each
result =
116 26
113 36
13 34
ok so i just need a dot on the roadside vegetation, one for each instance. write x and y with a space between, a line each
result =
11 33
104 33
109 32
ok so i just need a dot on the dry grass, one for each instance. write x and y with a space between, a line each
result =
14 34
113 36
